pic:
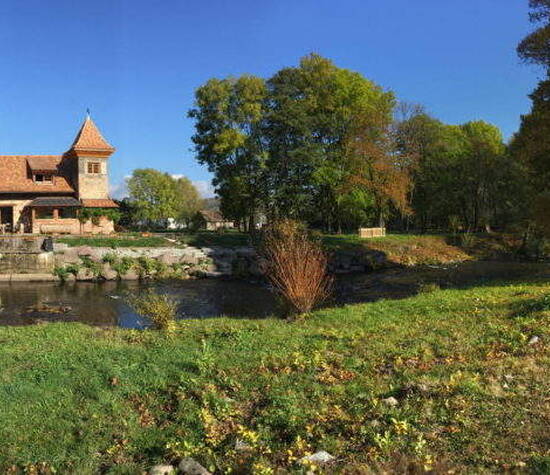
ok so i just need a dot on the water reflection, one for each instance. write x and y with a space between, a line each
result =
103 304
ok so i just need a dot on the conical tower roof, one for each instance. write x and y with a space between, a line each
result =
89 139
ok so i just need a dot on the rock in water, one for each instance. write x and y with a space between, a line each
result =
162 470
188 466
318 458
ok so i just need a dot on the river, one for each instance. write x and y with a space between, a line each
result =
103 304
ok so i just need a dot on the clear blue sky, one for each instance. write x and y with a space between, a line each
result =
136 63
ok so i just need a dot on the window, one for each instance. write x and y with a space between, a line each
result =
44 213
94 167
67 213
43 178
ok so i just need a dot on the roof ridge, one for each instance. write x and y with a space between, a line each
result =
31 156
89 138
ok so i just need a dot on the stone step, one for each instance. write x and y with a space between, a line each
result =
28 278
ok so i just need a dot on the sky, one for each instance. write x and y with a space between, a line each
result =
136 64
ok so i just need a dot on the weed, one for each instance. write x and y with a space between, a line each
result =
110 258
93 267
160 309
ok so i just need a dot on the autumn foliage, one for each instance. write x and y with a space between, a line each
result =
295 264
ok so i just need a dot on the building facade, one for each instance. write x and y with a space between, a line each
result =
53 194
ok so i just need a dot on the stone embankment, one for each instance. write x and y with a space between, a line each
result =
97 263
103 263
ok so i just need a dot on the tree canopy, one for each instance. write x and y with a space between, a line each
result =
326 145
156 196
535 48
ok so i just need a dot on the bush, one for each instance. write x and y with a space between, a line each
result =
110 258
93 266
467 239
148 266
295 264
61 272
160 309
122 266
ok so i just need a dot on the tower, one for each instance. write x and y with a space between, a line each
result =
90 153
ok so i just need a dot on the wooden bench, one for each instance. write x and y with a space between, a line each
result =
372 232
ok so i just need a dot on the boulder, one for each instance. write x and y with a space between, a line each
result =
533 340
390 401
189 466
130 275
318 458
107 273
85 274
168 258
162 470
84 251
60 247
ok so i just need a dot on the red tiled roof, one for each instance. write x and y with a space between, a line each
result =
15 176
55 201
89 138
99 204
212 216
44 163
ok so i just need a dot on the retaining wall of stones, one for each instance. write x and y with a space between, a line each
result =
98 263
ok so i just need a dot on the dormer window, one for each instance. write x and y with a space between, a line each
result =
43 178
94 167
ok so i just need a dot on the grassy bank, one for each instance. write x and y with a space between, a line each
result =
470 391
403 249
196 239
121 240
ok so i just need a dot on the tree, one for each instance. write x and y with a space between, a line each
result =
535 48
156 196
227 115
459 173
311 112
153 195
189 200
531 145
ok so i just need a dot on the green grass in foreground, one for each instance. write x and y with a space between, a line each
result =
472 393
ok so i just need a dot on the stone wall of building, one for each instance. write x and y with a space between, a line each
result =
18 206
104 226
93 185
72 226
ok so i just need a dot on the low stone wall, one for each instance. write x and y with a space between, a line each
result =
91 263
94 263
102 263
26 263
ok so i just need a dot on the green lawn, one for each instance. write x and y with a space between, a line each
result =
211 238
123 240
471 393
198 239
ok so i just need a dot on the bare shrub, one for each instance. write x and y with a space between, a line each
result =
295 264
161 309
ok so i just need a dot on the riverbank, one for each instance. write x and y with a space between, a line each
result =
446 379
134 257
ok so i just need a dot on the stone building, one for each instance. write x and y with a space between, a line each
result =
211 220
43 194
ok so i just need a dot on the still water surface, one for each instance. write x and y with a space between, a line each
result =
102 304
